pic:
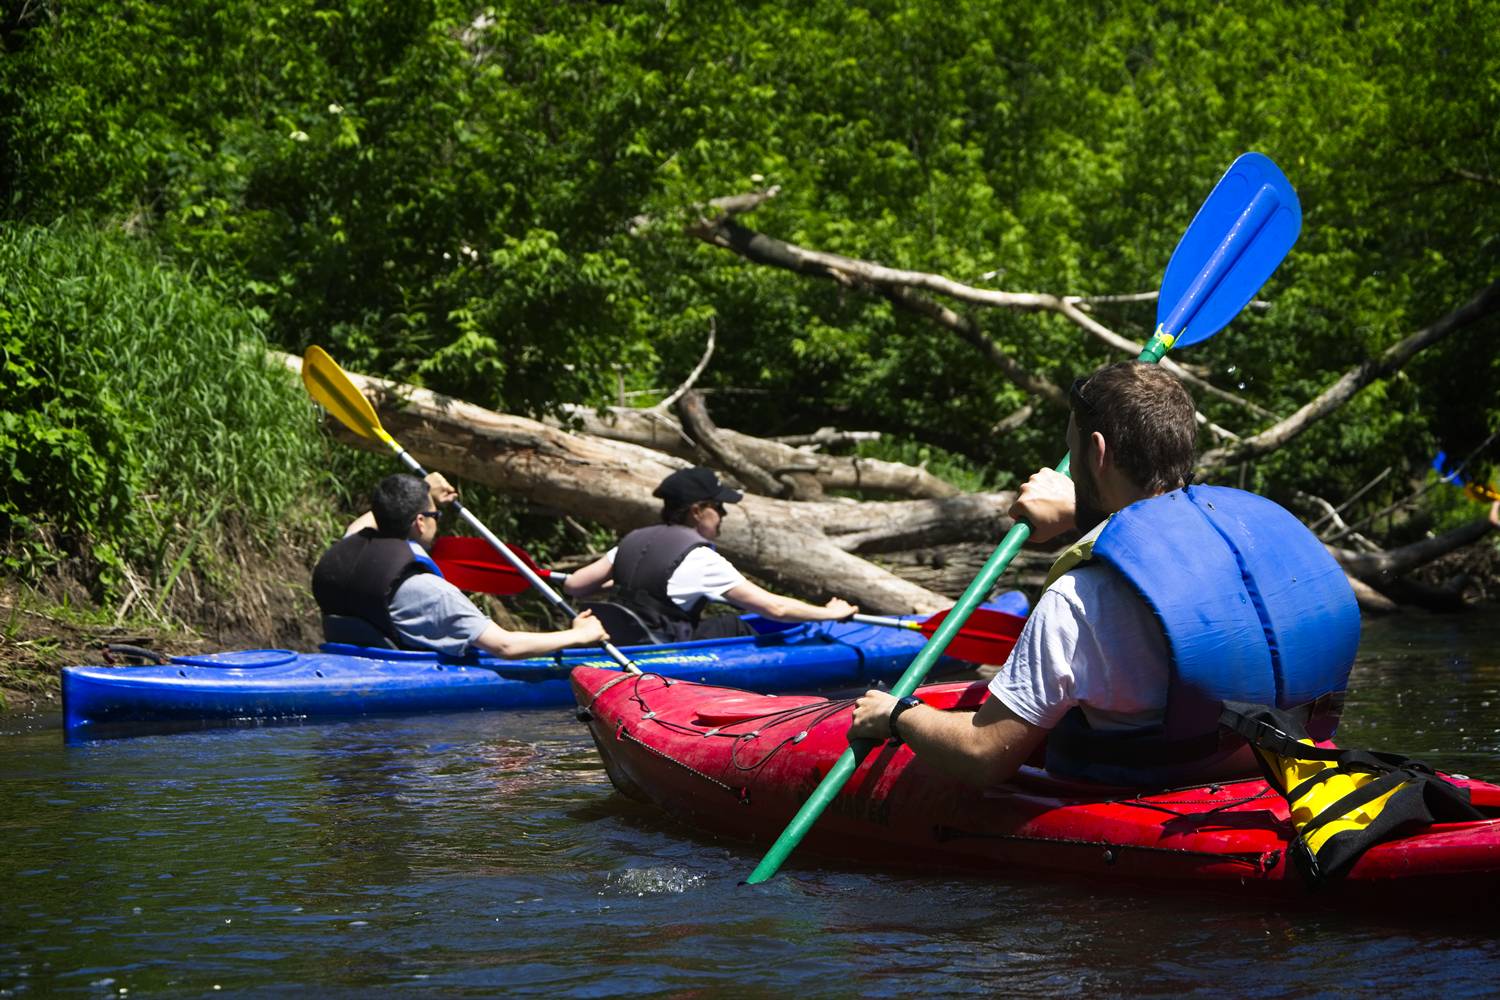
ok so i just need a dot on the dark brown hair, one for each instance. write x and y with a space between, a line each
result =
1146 417
680 515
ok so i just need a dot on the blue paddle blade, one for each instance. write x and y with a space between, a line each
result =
1244 229
1440 466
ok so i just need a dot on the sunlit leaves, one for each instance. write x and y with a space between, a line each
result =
489 200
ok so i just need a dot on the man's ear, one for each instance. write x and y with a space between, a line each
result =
1097 454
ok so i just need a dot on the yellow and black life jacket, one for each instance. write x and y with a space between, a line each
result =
1343 802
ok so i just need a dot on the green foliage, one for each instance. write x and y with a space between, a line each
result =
138 411
490 201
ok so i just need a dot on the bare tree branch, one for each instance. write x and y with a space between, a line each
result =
1481 305
905 288
1086 301
974 335
824 437
1330 513
1013 421
1333 514
708 352
1472 175
698 424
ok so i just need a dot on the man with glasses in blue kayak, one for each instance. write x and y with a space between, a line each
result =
378 585
1175 599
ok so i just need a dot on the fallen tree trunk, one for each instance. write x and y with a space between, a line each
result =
926 549
804 547
660 432
1378 567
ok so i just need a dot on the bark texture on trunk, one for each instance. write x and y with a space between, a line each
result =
891 556
658 431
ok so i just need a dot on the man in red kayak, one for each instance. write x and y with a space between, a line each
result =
1159 612
667 573
381 576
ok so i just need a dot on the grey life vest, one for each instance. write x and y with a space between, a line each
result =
644 562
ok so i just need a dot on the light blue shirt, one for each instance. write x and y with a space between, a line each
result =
431 613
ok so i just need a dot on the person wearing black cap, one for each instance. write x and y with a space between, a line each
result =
669 572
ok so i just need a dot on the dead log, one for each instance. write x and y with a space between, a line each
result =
927 548
660 432
794 546
700 427
1376 568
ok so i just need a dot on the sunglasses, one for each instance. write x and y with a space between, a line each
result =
434 514
1078 400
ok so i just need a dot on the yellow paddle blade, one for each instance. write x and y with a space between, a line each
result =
1477 491
327 383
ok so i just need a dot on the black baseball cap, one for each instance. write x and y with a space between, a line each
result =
689 486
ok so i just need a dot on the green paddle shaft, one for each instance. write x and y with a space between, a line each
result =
978 590
1236 240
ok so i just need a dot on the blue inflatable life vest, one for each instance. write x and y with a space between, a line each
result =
1254 609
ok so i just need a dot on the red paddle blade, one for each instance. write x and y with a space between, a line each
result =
473 564
987 637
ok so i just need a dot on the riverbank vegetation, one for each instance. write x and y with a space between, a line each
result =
507 204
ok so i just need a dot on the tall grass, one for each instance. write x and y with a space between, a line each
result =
133 402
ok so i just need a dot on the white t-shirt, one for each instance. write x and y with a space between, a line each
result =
702 573
1091 641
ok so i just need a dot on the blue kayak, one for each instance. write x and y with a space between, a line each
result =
339 680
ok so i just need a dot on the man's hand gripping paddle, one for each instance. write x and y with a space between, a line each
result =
1239 236
328 384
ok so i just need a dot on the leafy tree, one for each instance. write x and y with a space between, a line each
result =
489 200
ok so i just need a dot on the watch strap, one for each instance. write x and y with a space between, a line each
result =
902 704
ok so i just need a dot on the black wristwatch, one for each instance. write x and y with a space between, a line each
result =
902 704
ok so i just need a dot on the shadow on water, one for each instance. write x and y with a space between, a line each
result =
486 854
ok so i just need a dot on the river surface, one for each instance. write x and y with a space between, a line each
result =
486 854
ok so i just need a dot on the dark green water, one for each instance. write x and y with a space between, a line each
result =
486 854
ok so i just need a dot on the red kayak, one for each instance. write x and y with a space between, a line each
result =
741 764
